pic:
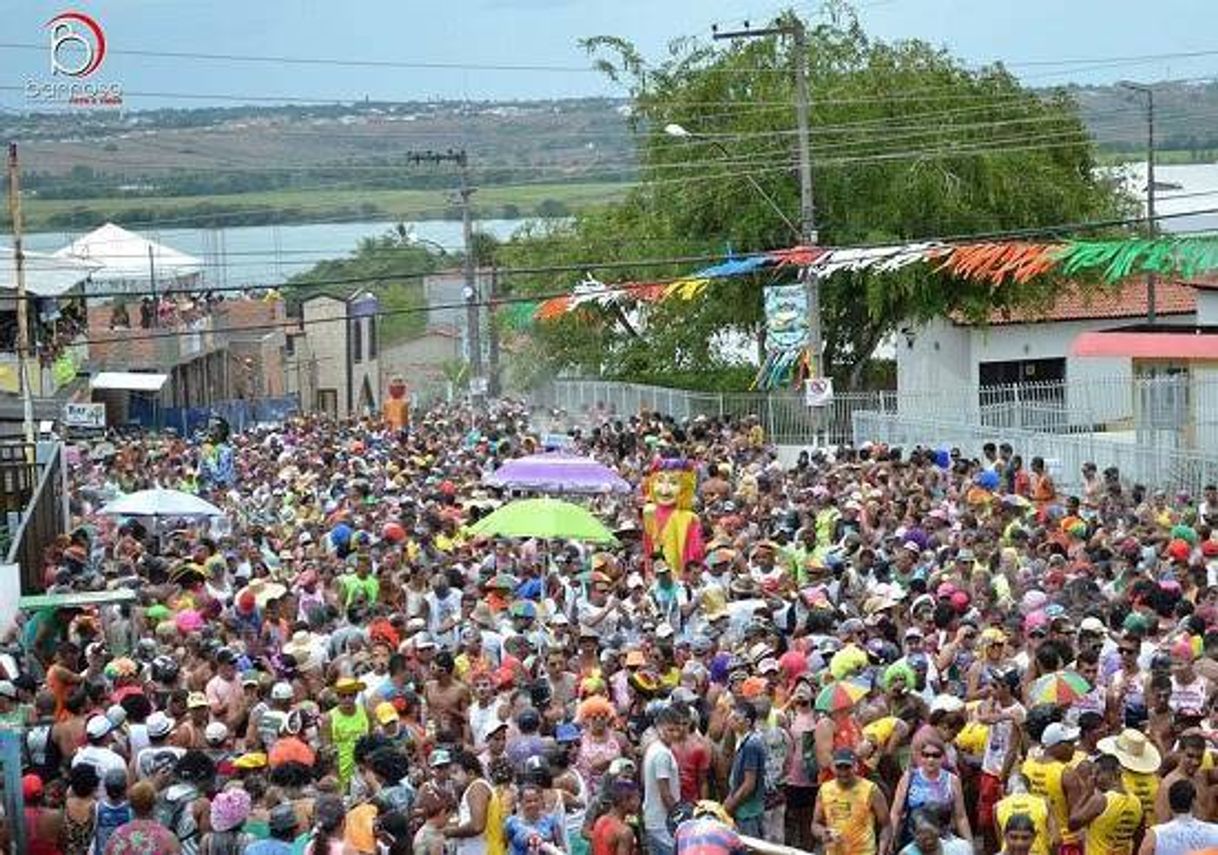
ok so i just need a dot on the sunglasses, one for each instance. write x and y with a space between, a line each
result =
932 755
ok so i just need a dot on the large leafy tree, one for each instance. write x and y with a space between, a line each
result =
906 143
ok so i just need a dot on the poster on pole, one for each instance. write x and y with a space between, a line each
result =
787 336
818 392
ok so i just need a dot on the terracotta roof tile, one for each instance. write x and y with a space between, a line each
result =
1126 301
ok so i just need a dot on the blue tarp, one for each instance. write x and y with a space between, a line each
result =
732 267
239 414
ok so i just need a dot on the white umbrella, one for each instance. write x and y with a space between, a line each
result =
161 503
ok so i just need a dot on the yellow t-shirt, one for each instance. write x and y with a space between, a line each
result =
1112 832
1045 780
1143 785
848 812
1035 807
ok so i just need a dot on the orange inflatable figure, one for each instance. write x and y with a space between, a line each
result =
396 408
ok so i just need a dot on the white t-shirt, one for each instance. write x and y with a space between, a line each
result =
659 770
101 759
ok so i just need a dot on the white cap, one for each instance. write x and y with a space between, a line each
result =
634 580
1092 624
98 726
159 725
282 691
423 641
768 665
8 689
946 703
664 630
492 727
1057 733
217 731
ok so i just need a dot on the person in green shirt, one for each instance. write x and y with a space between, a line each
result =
344 725
361 584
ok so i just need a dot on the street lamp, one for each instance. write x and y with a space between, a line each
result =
415 239
1150 182
681 132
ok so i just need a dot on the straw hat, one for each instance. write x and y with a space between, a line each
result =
1135 752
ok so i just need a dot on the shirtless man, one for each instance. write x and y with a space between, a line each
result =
1188 768
69 732
447 698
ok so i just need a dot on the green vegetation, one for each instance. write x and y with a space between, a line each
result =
968 158
303 206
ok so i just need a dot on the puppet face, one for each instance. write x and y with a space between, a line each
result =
666 487
397 388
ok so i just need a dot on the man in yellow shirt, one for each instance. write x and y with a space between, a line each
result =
848 810
1052 774
1110 815
1020 801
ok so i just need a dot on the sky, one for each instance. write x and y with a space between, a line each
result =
1026 34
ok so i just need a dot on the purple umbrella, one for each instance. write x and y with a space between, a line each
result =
557 473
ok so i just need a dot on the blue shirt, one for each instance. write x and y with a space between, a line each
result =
519 832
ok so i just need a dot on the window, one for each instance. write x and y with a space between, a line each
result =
372 338
356 326
289 346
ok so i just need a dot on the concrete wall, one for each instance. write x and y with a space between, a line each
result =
1207 306
326 335
419 360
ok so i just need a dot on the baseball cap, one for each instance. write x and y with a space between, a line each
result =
844 757
8 689
492 727
424 641
159 724
196 700
566 732
215 732
31 787
386 712
1092 624
98 727
282 691
769 665
439 757
1057 733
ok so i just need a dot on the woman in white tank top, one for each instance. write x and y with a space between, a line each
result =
470 833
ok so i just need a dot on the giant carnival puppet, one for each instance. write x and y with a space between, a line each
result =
396 409
670 527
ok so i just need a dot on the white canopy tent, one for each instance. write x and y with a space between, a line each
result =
127 261
45 275
130 381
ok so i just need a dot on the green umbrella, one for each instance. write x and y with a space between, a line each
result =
548 518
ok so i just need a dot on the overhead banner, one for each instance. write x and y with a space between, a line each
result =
786 337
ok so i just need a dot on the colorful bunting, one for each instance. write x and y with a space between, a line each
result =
990 262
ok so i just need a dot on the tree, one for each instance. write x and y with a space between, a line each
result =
388 266
907 144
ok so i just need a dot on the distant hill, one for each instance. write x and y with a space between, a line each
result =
217 163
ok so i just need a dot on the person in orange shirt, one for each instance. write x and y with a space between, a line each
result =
63 676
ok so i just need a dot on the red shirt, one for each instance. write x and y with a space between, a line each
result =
693 762
607 828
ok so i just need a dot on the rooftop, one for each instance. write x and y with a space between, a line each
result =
1126 300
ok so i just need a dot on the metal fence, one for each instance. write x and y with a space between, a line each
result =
1174 411
238 413
1158 466
44 516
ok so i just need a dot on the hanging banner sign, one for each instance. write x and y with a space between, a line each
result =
85 415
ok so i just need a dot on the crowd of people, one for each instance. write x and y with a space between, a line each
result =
871 651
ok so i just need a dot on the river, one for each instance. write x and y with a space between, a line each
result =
267 255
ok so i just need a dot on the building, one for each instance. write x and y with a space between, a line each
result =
332 362
1023 365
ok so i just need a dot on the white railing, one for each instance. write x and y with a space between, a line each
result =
1176 410
1155 465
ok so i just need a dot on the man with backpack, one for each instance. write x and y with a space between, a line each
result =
113 810
181 807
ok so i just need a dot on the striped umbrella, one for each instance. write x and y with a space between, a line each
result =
1060 687
839 695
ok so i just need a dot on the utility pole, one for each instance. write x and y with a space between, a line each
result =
23 317
156 308
464 193
492 343
794 27
1149 92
